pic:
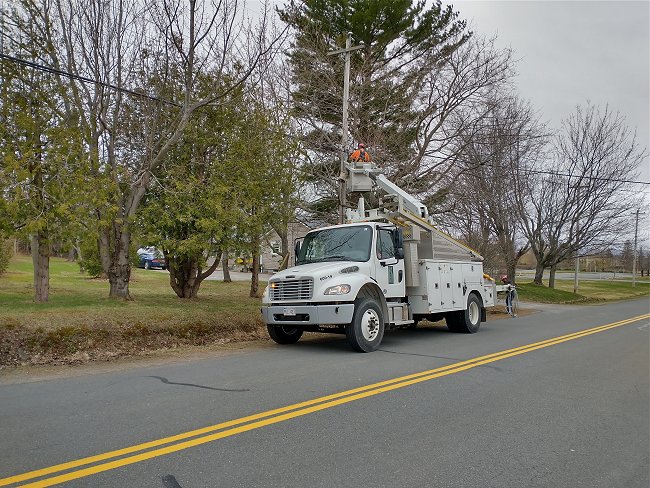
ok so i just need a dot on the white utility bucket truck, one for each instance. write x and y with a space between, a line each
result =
385 268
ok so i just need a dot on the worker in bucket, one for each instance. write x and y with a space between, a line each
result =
360 155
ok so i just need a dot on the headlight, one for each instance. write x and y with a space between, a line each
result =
266 291
338 290
350 269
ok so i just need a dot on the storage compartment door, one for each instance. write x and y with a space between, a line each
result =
446 291
457 296
434 291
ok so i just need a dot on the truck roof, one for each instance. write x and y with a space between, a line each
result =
372 223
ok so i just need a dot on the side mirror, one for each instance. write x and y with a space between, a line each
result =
398 243
399 253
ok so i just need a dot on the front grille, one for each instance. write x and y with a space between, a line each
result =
291 290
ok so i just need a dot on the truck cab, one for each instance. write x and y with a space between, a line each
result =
387 267
336 267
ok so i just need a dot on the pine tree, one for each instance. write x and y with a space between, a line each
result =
401 40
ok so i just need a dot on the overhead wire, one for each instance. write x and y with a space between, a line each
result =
84 79
568 175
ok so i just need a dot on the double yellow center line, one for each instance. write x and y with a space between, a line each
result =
148 450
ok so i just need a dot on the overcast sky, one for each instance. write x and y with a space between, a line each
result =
573 51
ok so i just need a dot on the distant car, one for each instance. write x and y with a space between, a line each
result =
149 259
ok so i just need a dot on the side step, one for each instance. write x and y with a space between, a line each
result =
398 313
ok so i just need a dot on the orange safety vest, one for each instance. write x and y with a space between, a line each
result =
358 156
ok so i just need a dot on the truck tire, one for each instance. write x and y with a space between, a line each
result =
366 330
284 334
466 321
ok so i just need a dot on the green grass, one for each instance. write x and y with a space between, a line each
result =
589 291
608 290
74 295
80 316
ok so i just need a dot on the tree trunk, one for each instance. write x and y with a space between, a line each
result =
182 276
33 250
41 260
539 274
77 250
255 276
511 270
551 278
226 269
103 245
186 276
119 270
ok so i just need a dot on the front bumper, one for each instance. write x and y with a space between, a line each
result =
308 314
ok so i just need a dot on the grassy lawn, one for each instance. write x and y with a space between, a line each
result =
589 291
80 317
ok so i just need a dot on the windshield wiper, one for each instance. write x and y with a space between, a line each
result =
338 257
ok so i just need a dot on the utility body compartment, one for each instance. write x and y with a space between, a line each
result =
445 285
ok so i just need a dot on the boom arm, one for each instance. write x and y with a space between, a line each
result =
398 206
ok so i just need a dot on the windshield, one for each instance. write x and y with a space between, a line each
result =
339 244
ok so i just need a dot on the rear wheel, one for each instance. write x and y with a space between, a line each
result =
466 321
284 334
366 331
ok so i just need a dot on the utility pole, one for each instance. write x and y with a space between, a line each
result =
344 128
636 234
576 280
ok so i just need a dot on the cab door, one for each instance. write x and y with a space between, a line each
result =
389 271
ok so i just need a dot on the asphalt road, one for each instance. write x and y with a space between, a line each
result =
566 412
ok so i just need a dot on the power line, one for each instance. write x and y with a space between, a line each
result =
568 175
56 71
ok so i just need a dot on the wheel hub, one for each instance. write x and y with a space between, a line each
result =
474 313
370 325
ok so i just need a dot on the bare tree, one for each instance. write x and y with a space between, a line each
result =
578 202
456 96
507 139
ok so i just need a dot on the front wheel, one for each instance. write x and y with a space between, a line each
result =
147 265
366 330
284 334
